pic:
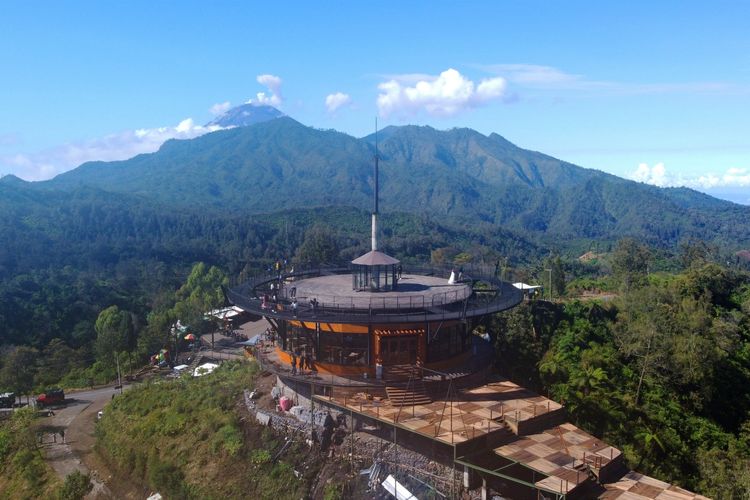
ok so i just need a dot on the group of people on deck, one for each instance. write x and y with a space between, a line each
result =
302 362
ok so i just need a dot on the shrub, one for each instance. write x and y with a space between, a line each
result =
229 438
30 466
260 456
166 477
333 491
6 442
76 486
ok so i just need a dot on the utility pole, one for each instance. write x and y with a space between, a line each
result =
119 378
549 271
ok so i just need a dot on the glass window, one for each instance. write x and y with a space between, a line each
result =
446 342
300 340
344 348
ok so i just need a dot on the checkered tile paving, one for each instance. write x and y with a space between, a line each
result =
635 486
558 452
467 415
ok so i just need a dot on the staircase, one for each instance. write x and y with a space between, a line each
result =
586 469
194 364
400 373
407 393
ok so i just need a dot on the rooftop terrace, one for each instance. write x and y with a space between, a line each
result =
421 294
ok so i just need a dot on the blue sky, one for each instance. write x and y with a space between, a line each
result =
655 91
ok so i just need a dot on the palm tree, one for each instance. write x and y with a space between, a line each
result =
588 379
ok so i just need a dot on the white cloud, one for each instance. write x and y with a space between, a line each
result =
120 146
444 95
533 74
337 101
220 108
273 83
540 77
658 176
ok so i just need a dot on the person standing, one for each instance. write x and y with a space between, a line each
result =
294 363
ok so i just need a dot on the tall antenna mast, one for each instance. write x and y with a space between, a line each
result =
375 204
376 165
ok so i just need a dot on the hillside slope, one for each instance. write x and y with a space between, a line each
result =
282 164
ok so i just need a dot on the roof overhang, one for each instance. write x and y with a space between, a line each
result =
375 258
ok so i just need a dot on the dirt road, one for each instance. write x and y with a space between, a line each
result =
76 421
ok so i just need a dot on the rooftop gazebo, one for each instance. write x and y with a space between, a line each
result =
374 272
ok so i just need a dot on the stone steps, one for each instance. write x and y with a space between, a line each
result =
408 394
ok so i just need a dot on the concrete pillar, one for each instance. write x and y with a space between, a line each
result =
470 478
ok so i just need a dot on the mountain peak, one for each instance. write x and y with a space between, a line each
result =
12 180
246 115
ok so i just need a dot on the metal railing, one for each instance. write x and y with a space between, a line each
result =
455 304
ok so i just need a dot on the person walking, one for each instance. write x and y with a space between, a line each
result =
294 364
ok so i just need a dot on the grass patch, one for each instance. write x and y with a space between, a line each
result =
23 471
184 438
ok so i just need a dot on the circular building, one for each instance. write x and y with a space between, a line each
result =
374 314
361 320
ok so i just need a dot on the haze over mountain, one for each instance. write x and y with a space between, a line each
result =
276 163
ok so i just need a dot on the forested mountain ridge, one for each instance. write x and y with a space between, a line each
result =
281 164
66 254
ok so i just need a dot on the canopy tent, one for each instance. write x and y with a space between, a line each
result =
528 290
252 341
524 286
226 313
204 369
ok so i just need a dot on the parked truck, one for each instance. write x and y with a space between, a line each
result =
7 400
50 397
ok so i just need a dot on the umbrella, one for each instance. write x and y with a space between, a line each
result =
190 336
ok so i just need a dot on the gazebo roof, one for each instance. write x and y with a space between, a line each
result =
375 258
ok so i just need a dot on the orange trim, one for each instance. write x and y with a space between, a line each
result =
332 369
329 368
284 356
332 327
343 328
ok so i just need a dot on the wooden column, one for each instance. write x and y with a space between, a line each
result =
422 347
376 347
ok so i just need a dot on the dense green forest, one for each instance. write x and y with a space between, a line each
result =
661 369
67 257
